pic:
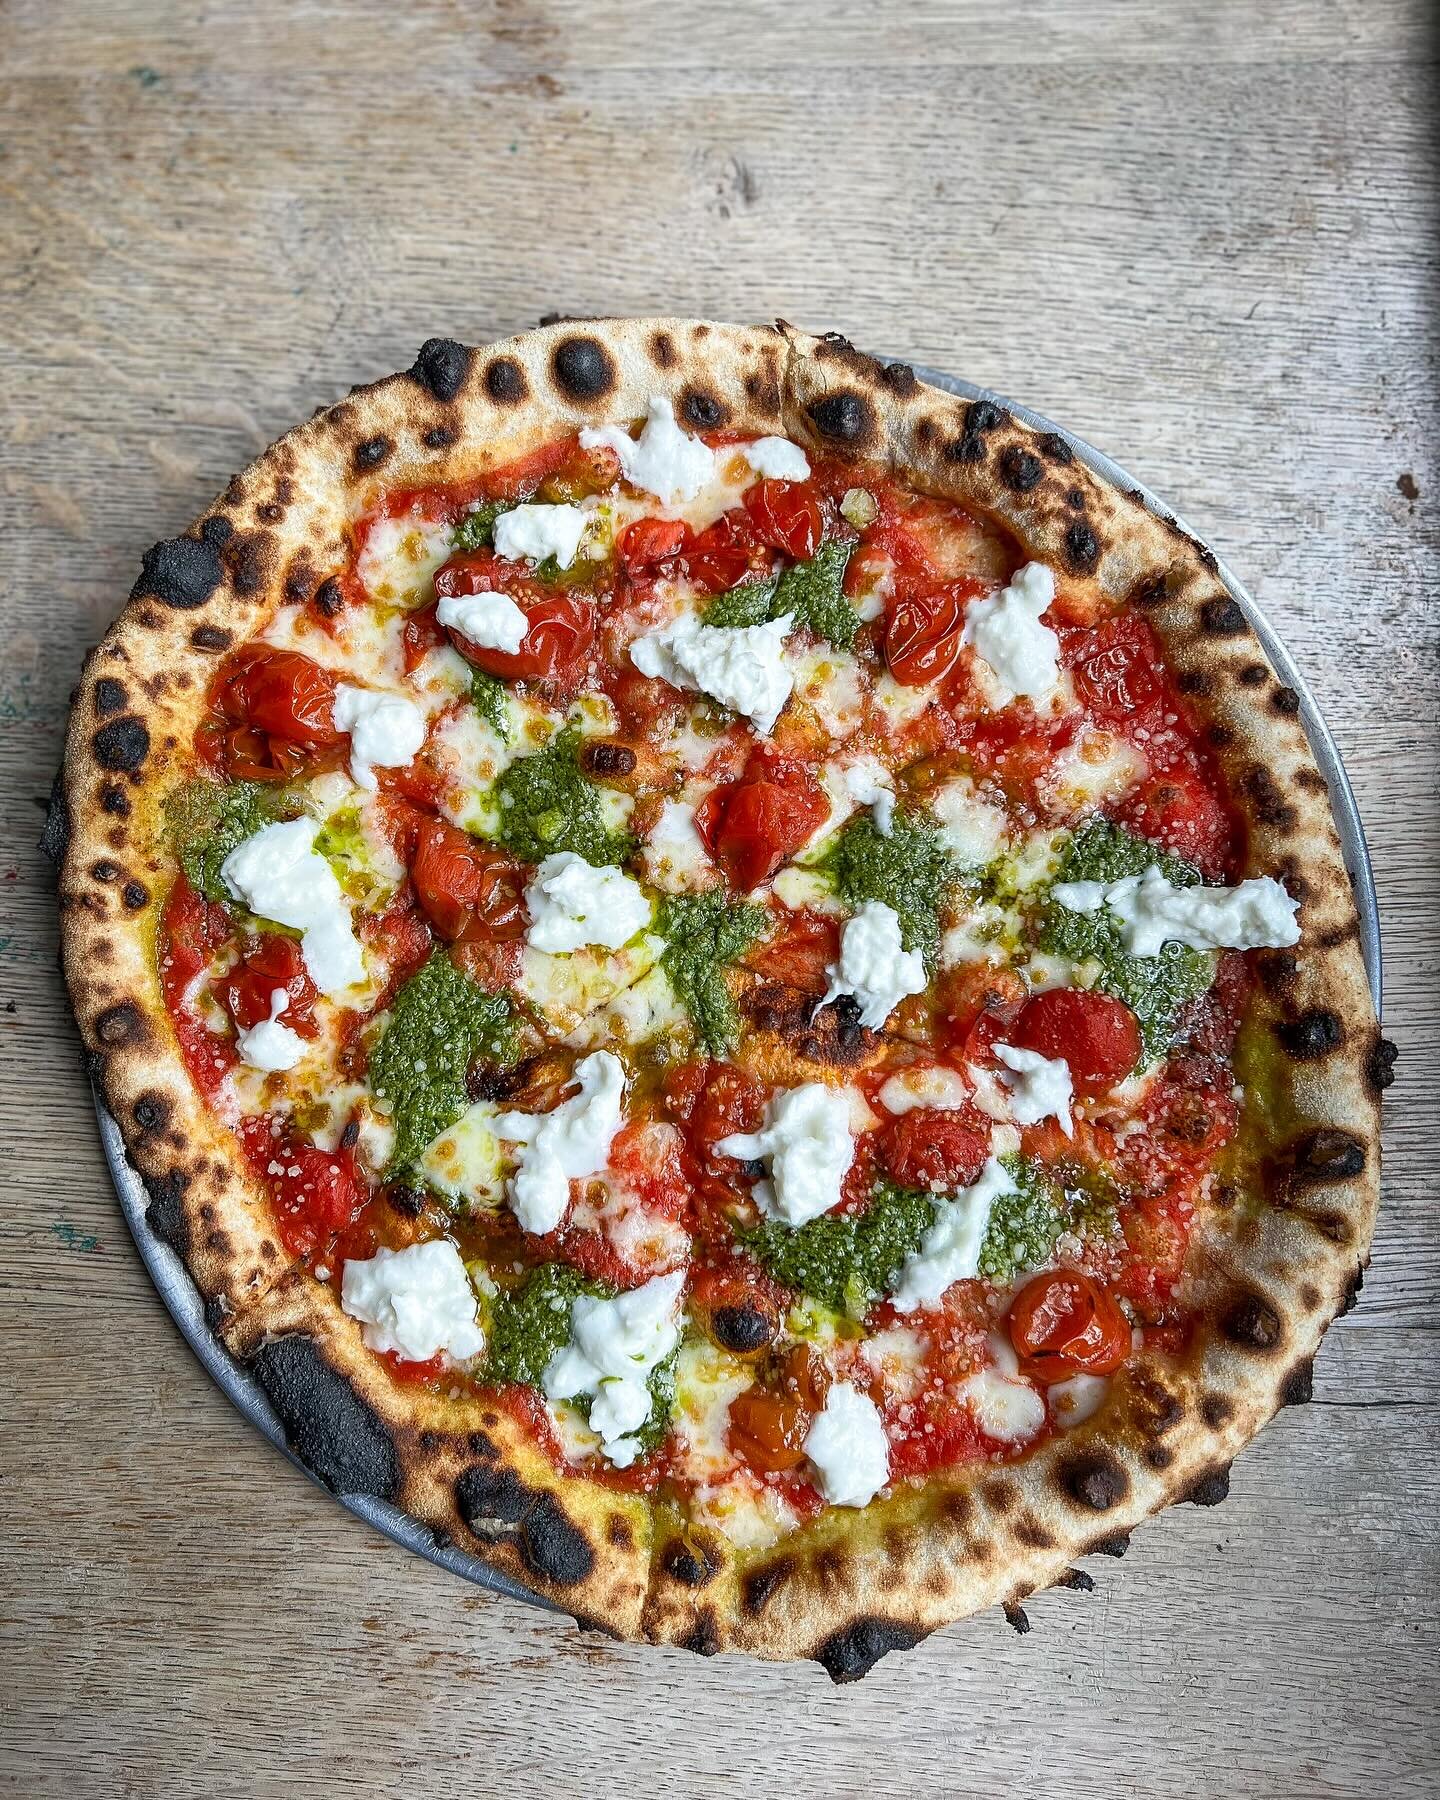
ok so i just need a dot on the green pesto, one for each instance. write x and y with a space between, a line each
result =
530 1325
546 805
439 1023
812 592
207 820
1155 988
911 871
476 531
846 1260
749 604
704 934
1047 1204
487 696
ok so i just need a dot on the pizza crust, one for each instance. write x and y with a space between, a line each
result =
1279 1259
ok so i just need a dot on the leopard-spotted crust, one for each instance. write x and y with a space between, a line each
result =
1271 1266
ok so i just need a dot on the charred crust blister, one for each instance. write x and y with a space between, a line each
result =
1050 444
1082 548
1020 469
109 696
179 572
1222 616
1329 1154
844 416
702 410
758 1587
851 1654
371 452
1311 1035
1094 1479
1380 1064
122 745
550 1545
165 1214
331 1429
1298 1387
441 366
1016 1617
55 833
505 381
1212 1487
690 1564
1252 1323
583 369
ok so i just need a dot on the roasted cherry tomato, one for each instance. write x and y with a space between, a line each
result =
799 950
922 636
271 712
750 826
560 627
931 1148
467 889
1114 668
1179 811
271 964
315 1194
1098 1037
768 1429
786 516
421 633
721 556
194 930
1062 1324
651 541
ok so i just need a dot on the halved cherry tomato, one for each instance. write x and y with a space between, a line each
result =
314 1193
768 1429
650 541
1114 668
1062 1324
1098 1037
931 1148
271 964
750 826
720 557
194 929
786 516
1178 810
270 712
922 636
467 889
560 627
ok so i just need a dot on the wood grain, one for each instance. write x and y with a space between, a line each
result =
1201 236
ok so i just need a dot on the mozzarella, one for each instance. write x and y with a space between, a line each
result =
848 1448
572 904
1096 769
638 1014
868 783
493 621
1006 633
614 1345
874 965
663 460
950 1249
751 1515
400 556
833 683
269 1044
777 459
1076 1399
807 1143
1152 912
414 1302
706 1381
1005 1407
740 666
934 1086
569 989
1040 1086
572 1140
795 887
464 1163
280 875
970 828
674 857
385 730
538 532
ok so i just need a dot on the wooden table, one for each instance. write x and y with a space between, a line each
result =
1201 235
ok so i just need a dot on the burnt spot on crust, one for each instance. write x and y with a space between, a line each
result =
1222 616
505 381
1252 1323
663 351
1195 681
690 1564
1082 548
1155 1409
1298 1387
582 368
550 1545
151 1112
1212 1487
980 416
122 745
121 1025
115 801
331 1429
249 561
1016 1617
1285 701
110 696
704 410
179 572
1253 675
1029 1531
1380 1064
1217 1410
760 1585
833 1035
55 833
850 1654
1076 1580
371 452
1311 1035
213 638
898 378
216 531
438 437
1278 971
299 580
1020 469
1267 802
743 1329
441 366
1115 1546
134 895
1150 590
1094 1479
1329 1154
165 1215
329 598
1053 446
1350 1295
845 416
703 1639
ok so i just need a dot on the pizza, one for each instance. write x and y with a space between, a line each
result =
732 975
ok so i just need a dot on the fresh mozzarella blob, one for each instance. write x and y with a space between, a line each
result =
950 1250
270 1045
1076 1399
1006 633
1004 1406
869 783
465 1162
933 1086
1257 915
777 459
674 856
874 965
571 1141
279 874
614 1345
806 1141
742 666
848 1449
572 904
493 621
540 531
1040 1086
970 828
386 731
414 1302
663 460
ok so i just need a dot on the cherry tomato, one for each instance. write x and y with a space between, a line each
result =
1114 668
1179 811
560 627
768 1429
730 1101
799 951
1062 1324
1098 1037
721 556
650 541
467 889
922 636
270 964
194 930
421 633
750 826
271 714
313 1193
932 1148
786 516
